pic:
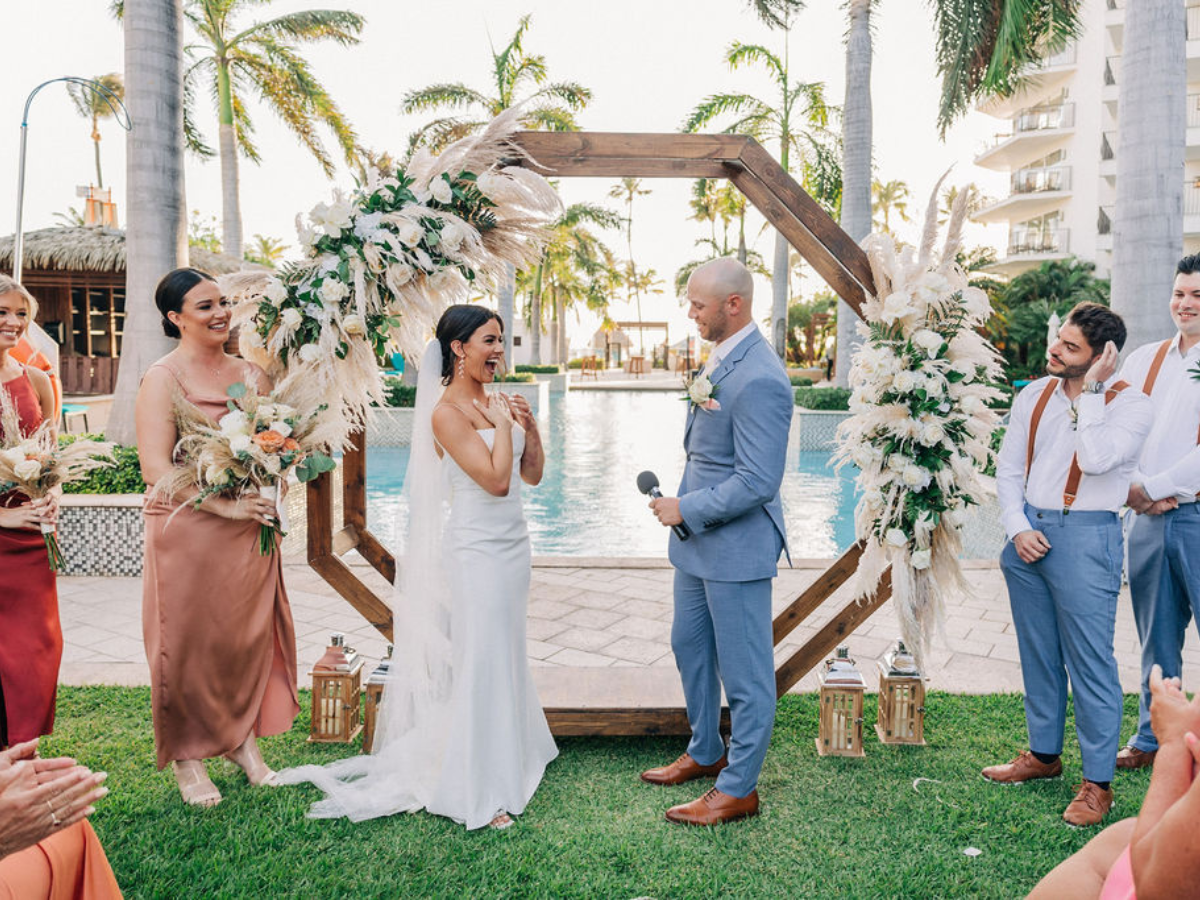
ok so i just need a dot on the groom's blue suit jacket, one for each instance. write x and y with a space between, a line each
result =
729 495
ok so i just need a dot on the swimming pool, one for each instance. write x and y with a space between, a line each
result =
588 504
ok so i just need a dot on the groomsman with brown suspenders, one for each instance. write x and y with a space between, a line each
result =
1164 570
1062 475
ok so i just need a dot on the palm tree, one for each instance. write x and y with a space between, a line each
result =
856 160
889 197
94 106
626 189
1148 217
265 250
156 216
800 125
262 58
517 77
712 201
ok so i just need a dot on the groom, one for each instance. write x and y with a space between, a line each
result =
736 442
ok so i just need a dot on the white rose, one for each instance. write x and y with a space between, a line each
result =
904 381
700 390
861 456
281 426
916 477
332 291
966 369
452 237
971 405
409 233
214 474
235 422
928 341
337 218
895 306
920 559
440 189
291 318
897 462
354 324
932 433
367 225
239 443
400 274
309 353
283 411
13 457
276 291
896 537
27 469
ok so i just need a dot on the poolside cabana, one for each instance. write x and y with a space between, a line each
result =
77 274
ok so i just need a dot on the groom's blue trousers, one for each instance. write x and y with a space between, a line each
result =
722 635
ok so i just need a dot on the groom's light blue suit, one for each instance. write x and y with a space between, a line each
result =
729 498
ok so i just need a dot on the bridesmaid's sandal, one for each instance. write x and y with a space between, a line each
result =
250 761
503 820
195 786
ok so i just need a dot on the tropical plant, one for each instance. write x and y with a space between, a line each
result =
799 125
775 13
714 201
230 63
202 232
810 325
71 218
517 77
626 190
95 106
266 251
886 198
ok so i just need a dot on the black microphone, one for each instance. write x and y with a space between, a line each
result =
647 483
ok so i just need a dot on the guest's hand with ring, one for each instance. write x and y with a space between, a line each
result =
31 810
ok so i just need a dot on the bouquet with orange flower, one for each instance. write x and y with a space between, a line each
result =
36 464
255 446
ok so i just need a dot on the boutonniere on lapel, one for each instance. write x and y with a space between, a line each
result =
701 392
1194 372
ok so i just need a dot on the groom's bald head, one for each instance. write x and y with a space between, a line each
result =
719 295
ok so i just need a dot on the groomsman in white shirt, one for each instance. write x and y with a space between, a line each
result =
1164 569
1062 474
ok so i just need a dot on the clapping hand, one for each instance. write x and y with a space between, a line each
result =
1105 365
41 796
496 410
522 412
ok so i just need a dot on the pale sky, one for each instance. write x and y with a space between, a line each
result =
648 62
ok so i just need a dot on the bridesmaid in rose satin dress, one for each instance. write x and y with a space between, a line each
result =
31 642
215 616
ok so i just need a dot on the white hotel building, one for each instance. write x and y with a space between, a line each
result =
1059 144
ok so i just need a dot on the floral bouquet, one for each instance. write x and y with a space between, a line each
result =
921 383
37 464
383 261
252 449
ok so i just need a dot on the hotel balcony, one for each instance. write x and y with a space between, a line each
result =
1114 21
1030 247
1042 80
1191 208
1036 131
1033 192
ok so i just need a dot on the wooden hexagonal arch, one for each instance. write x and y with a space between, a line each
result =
634 701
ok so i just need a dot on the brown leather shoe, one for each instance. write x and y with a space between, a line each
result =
683 769
1133 758
1090 805
1025 767
714 808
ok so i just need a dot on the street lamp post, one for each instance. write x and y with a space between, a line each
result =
119 113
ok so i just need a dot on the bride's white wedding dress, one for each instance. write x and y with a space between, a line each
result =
461 732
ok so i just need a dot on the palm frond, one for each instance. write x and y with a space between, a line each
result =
442 96
740 54
716 105
575 95
441 133
309 26
776 13
549 118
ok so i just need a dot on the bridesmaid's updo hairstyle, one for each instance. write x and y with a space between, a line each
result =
458 323
171 290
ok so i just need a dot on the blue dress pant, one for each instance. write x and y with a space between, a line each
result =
1164 578
1064 607
722 636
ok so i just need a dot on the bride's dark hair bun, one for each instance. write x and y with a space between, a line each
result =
458 323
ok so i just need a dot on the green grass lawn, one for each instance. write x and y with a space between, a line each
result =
828 828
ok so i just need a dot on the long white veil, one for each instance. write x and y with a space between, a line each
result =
410 732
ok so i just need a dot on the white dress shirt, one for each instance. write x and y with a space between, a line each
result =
1108 440
722 349
1170 461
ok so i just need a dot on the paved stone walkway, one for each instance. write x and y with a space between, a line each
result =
594 612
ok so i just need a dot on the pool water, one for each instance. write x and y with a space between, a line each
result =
588 504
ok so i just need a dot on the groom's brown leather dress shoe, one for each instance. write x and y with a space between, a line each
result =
1133 758
683 769
714 808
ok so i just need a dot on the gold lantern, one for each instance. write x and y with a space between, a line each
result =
841 696
336 706
374 695
901 699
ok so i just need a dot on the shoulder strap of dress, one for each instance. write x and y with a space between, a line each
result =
1152 375
1035 420
174 374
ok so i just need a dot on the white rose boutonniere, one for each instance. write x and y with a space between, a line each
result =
702 393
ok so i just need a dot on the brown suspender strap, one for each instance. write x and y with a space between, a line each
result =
1035 419
1076 473
1152 375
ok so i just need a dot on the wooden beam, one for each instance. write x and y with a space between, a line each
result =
319 505
637 167
377 555
836 242
817 592
825 641
629 145
354 482
362 598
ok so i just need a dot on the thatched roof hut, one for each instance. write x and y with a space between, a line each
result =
78 275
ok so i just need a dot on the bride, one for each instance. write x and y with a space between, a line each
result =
461 733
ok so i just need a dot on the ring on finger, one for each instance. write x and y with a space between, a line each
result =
54 820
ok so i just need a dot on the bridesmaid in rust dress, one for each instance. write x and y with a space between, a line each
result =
215 617
30 635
